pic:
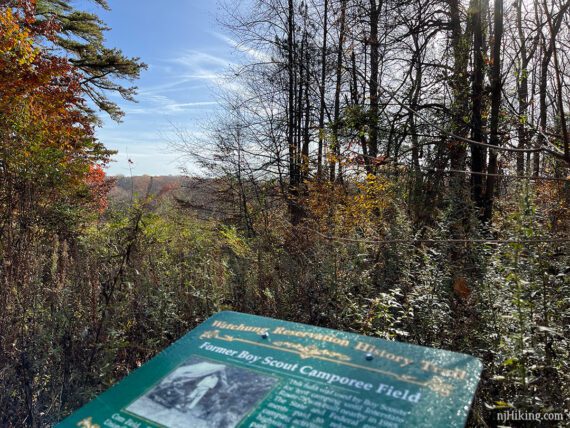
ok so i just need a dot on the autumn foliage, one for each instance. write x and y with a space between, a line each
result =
53 187
333 202
47 134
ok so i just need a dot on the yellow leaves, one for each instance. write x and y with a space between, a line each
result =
49 135
364 208
235 242
350 208
372 196
15 42
331 157
321 196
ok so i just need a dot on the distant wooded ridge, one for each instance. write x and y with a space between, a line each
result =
139 185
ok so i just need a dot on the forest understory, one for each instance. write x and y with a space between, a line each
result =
398 169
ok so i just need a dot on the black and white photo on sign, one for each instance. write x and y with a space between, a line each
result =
203 393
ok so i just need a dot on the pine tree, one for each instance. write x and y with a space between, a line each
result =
81 36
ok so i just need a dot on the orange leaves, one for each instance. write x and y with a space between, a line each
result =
48 133
461 289
39 86
96 175
99 186
16 45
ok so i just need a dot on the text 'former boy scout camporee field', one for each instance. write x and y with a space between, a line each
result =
237 370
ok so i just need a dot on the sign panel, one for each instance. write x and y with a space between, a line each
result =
237 370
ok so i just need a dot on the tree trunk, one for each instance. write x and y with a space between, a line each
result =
460 88
547 52
478 153
374 69
335 143
293 202
496 87
322 92
522 91
560 87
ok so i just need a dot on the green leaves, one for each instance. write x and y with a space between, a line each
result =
81 36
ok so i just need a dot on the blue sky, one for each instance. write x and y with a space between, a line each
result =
187 55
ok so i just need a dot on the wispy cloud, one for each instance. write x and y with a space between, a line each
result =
253 53
210 69
177 84
164 106
194 59
188 67
184 106
193 73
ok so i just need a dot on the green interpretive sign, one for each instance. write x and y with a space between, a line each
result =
237 370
